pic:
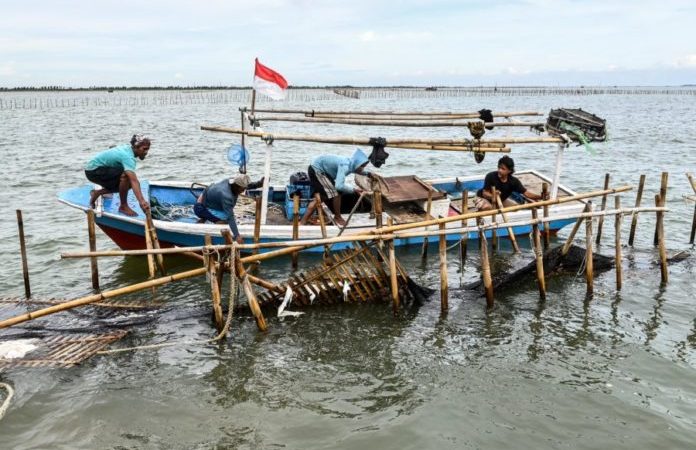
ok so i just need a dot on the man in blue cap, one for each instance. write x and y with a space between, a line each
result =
327 175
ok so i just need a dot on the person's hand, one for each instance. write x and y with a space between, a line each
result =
144 206
240 239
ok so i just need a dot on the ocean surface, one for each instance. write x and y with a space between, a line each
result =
617 370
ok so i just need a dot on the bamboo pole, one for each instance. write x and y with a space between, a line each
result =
211 267
634 219
93 265
159 259
377 198
659 227
349 140
101 296
539 256
254 304
295 226
257 222
617 243
317 113
494 232
444 306
395 123
589 262
486 270
464 239
547 228
322 222
392 273
663 200
428 209
23 254
693 221
600 221
150 256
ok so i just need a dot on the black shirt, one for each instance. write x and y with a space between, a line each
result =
504 189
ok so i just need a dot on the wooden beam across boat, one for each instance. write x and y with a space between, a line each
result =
395 123
269 137
463 114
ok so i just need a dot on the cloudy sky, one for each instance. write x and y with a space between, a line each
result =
357 42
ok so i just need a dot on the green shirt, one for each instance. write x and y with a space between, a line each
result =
121 156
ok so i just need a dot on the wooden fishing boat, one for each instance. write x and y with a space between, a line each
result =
176 225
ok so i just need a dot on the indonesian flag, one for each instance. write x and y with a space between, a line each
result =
269 82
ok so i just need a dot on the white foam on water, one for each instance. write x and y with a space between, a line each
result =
17 348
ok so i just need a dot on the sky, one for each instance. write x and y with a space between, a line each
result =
348 42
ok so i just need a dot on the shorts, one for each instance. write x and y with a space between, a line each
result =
483 204
322 184
107 177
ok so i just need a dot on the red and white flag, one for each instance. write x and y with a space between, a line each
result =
269 82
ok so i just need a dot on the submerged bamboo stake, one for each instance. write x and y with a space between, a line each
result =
663 200
159 259
600 221
589 262
23 253
539 256
444 306
486 270
93 265
693 221
257 222
392 273
617 243
547 225
211 266
295 226
101 296
659 227
464 239
428 209
634 219
254 304
511 232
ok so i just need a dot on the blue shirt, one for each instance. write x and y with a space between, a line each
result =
121 156
338 167
220 196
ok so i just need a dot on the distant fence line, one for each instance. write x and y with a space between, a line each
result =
71 99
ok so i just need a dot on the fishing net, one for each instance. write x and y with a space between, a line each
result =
244 210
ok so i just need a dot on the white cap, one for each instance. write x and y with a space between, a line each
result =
240 180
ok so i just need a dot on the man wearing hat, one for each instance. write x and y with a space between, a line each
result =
222 196
505 184
114 171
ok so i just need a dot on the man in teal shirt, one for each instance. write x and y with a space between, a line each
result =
114 171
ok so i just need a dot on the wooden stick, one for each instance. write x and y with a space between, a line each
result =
511 232
318 113
659 226
101 296
486 270
159 259
547 228
663 199
539 255
93 265
392 273
617 243
295 226
494 232
589 262
322 222
257 222
428 209
212 268
377 198
463 242
484 148
693 221
600 221
443 272
634 219
254 304
150 256
394 123
349 140
23 253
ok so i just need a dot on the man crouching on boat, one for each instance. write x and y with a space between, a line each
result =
327 175
505 184
222 196
114 171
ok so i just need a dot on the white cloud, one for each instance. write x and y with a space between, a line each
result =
368 36
686 61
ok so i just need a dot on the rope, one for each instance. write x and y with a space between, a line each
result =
6 403
234 292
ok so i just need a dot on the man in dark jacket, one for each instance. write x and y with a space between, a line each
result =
505 184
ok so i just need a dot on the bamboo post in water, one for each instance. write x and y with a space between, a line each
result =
150 257
693 221
494 232
600 220
295 226
463 242
576 227
486 269
392 273
23 253
211 267
254 304
322 222
634 219
547 225
589 262
617 243
663 200
659 228
377 199
511 232
257 223
443 271
91 231
159 259
428 209
539 256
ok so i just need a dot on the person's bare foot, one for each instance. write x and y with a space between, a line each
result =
127 210
339 221
93 196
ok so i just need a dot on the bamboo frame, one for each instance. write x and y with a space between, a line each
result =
314 113
600 221
23 254
634 219
659 228
617 243
663 198
393 123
